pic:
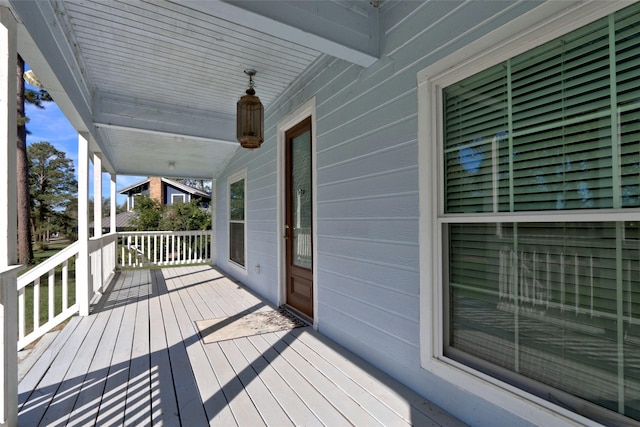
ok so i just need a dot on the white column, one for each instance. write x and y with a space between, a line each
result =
214 233
97 263
97 196
8 137
83 270
113 206
8 222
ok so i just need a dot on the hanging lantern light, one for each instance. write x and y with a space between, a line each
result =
250 130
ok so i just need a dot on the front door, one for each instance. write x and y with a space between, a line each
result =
298 218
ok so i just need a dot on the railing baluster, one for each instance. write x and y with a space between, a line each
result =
51 287
142 250
21 314
183 258
168 247
173 249
65 284
36 304
129 250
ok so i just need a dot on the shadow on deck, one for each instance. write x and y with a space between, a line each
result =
138 360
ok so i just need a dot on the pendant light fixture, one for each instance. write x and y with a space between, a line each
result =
250 119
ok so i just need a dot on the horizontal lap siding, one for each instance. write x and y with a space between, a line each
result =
367 189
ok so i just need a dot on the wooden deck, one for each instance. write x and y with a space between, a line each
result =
139 360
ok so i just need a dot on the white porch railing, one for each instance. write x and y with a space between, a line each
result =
35 320
143 248
102 255
47 293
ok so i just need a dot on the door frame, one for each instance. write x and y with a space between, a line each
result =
308 109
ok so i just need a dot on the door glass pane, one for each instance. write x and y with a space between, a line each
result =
301 199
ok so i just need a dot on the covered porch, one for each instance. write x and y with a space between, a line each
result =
138 359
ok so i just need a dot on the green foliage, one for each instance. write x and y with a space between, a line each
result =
52 186
149 212
185 216
37 97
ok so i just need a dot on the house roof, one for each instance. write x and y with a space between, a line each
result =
171 182
154 83
123 220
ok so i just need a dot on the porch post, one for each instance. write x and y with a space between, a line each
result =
97 196
214 259
8 222
98 263
113 205
83 272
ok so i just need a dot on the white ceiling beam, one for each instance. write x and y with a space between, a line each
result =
164 134
348 33
149 117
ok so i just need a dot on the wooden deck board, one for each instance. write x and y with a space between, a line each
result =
139 360
189 404
349 408
139 387
164 407
90 395
265 403
214 403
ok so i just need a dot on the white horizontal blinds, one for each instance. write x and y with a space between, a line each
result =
561 123
628 96
631 309
540 299
476 112
479 262
559 152
558 303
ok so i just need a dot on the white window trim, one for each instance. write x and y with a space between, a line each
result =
240 175
544 23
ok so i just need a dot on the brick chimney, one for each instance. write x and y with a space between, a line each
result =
155 189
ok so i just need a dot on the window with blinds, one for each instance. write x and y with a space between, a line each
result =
553 307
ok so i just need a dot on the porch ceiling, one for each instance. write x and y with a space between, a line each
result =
158 81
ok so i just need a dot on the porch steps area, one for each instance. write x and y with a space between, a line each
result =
138 360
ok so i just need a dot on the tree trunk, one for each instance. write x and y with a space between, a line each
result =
25 249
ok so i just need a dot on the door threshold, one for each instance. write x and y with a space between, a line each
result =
297 313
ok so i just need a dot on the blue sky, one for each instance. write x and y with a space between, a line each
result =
49 124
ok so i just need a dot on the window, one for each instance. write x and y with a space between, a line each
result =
537 219
177 198
237 203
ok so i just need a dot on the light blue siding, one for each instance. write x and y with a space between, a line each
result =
367 193
170 191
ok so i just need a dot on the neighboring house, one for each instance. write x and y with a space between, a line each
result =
166 191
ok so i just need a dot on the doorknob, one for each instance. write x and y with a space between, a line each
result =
286 231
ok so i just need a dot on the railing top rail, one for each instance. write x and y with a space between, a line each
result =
107 237
47 265
158 233
10 269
